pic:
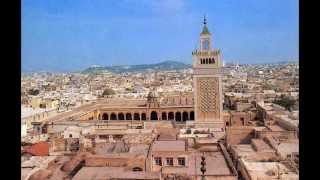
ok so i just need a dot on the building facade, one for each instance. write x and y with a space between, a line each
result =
207 65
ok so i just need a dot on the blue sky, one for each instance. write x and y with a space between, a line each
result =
74 34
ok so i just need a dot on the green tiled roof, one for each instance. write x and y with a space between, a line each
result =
205 30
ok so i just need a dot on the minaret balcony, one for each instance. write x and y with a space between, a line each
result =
206 53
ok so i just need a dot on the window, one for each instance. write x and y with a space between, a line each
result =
170 161
182 161
158 161
206 44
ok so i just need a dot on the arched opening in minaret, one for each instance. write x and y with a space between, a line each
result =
143 116
164 116
136 116
154 115
170 116
128 116
178 116
192 115
120 116
185 116
113 116
105 116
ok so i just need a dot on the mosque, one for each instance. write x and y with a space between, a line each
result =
200 109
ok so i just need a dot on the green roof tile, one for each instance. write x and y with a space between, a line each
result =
205 30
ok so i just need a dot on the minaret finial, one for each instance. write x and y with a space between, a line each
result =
204 20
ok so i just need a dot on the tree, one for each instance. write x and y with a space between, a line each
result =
285 101
268 86
108 91
33 92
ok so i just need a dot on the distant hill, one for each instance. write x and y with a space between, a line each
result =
166 65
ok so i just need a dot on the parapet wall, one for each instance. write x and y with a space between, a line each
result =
239 135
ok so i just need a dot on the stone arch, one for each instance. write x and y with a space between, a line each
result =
120 116
178 116
136 116
128 116
113 116
143 116
105 116
170 116
185 116
207 61
154 115
164 116
191 115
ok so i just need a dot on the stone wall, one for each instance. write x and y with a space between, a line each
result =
58 144
239 135
139 138
101 161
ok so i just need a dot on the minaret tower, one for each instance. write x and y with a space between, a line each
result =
207 83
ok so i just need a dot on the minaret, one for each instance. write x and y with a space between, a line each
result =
207 83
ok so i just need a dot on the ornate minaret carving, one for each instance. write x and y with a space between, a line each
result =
207 82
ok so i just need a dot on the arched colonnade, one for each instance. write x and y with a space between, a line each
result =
178 116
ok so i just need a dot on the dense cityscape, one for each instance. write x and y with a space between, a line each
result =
260 101
171 121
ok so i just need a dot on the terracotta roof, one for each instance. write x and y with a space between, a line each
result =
38 149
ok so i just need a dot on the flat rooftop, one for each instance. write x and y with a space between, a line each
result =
121 102
169 146
288 147
103 173
216 164
260 145
276 128
257 170
243 150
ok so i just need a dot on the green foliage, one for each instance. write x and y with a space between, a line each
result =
33 92
108 91
285 101
268 86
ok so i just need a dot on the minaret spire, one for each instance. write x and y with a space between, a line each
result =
204 20
205 30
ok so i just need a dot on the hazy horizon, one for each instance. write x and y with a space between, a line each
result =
73 35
